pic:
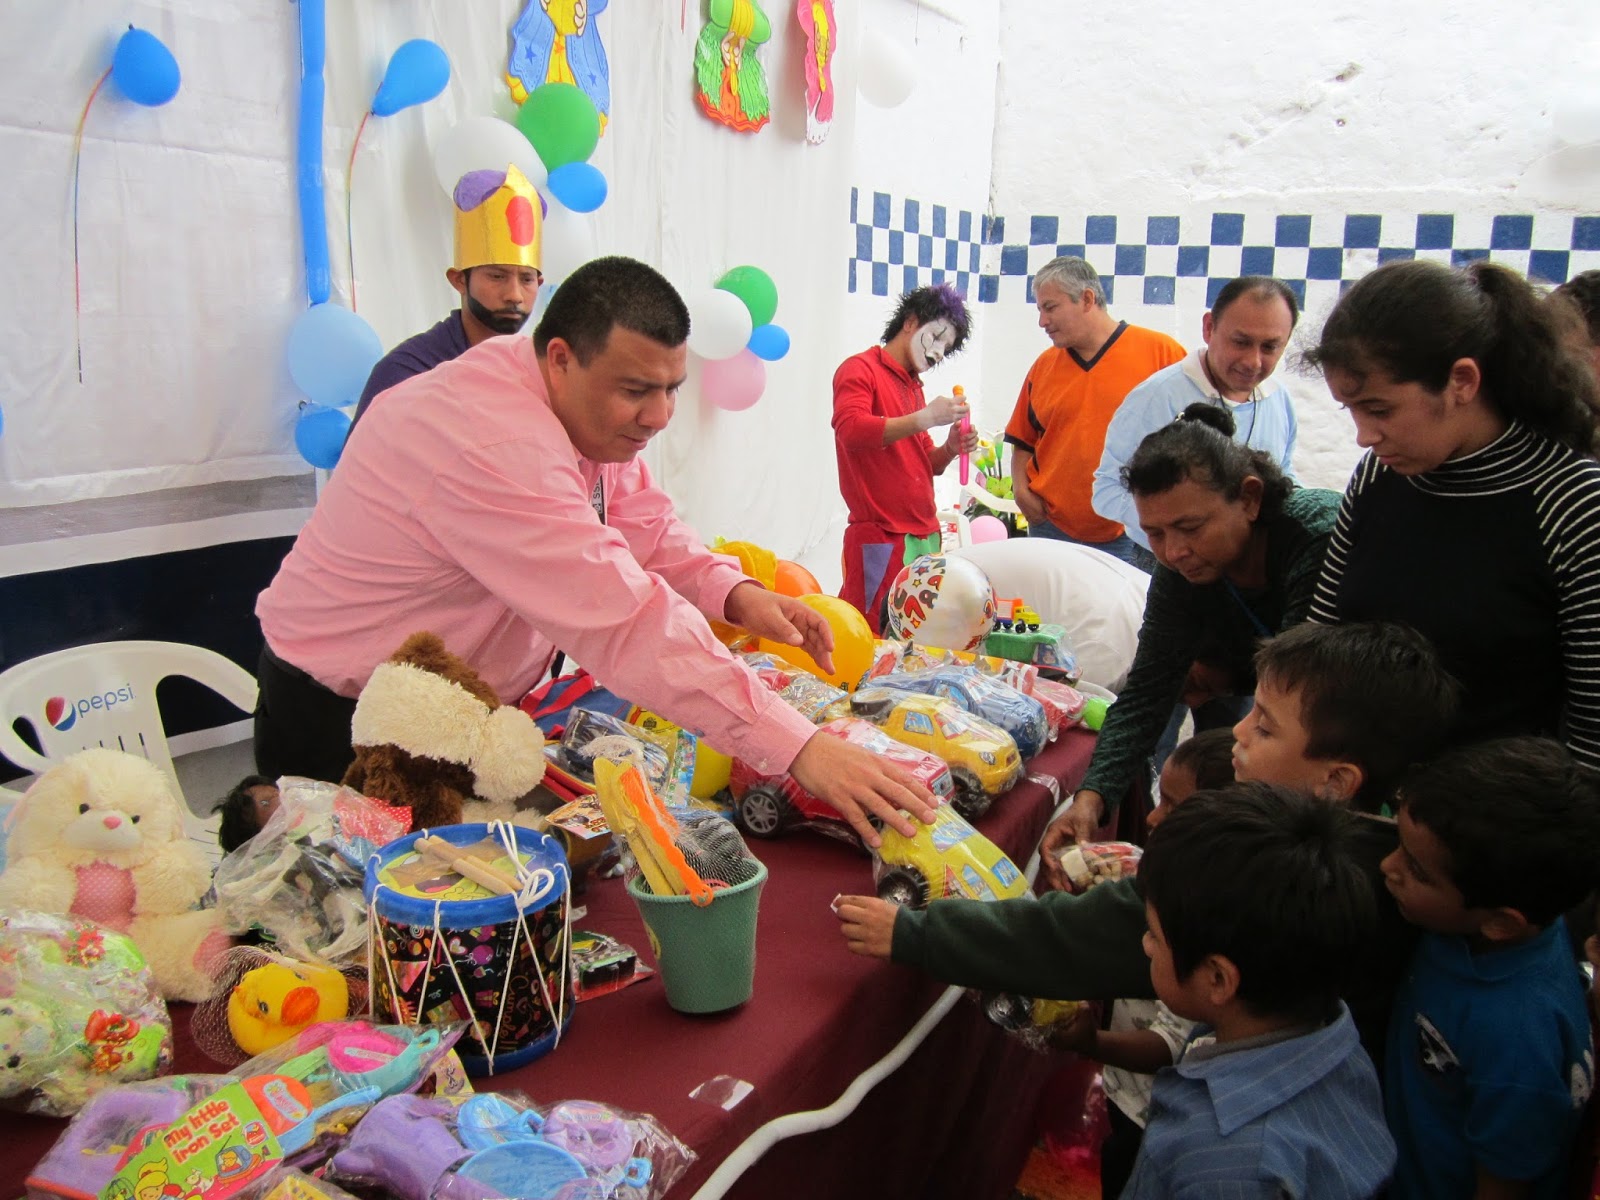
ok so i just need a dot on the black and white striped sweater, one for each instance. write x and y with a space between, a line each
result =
1495 557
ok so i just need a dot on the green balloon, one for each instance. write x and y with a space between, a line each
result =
561 122
755 287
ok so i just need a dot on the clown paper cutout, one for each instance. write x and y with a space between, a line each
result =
556 41
816 18
729 81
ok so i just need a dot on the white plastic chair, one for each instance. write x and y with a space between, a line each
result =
104 694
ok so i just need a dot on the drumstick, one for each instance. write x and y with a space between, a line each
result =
467 866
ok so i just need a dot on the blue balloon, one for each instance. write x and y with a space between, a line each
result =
770 342
308 153
331 353
418 71
319 435
144 69
579 186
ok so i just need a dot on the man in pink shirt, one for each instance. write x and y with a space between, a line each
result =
498 501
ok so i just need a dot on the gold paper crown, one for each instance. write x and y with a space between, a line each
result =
506 227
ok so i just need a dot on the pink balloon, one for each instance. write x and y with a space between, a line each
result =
733 383
987 529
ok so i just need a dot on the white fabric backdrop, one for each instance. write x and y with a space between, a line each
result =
191 246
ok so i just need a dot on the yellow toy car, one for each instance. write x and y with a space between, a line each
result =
947 858
982 757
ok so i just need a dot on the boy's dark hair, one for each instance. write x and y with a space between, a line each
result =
1520 820
1372 693
1199 445
1209 755
927 304
1268 878
238 809
606 292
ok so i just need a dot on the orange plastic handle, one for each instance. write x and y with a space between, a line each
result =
644 803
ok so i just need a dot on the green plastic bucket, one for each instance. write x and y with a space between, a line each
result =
707 955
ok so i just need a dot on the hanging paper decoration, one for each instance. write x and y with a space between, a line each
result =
817 19
556 41
729 81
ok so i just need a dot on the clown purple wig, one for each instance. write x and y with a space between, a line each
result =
927 304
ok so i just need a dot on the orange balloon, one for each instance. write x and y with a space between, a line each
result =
853 645
791 579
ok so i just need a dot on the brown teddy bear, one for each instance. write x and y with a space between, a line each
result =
431 735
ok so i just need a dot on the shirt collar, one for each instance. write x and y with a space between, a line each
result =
1246 1083
886 360
1455 956
1194 370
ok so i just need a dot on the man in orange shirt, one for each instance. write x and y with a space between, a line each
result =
1058 429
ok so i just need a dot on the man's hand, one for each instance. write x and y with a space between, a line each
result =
959 442
867 924
780 619
1032 507
1077 824
942 410
857 782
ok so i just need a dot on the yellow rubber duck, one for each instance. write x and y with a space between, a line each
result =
273 1003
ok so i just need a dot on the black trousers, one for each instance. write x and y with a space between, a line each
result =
301 727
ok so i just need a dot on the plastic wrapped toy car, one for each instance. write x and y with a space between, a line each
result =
982 757
1000 704
946 858
767 805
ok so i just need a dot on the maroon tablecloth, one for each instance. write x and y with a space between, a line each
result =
955 1120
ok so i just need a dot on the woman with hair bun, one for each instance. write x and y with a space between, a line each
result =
1475 515
1239 547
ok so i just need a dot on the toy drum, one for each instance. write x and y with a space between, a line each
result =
442 947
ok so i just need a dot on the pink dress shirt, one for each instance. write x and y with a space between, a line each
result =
460 506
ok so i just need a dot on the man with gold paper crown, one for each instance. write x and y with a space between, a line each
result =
496 273
498 501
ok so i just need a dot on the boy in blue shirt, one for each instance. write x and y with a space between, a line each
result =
1489 1053
1258 907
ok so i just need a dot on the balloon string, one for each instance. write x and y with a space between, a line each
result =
349 207
77 160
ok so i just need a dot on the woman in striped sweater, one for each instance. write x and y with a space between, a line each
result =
1475 515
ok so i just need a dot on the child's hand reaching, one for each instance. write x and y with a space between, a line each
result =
867 924
1079 1033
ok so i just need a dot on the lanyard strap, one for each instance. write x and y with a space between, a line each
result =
1248 611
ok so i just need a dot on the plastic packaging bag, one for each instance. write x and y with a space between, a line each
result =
79 1013
590 735
501 1144
1090 863
298 881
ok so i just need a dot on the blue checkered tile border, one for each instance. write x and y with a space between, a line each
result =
1186 258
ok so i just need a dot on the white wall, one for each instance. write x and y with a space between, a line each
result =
1148 108
191 242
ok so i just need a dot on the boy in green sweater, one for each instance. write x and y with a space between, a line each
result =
1340 711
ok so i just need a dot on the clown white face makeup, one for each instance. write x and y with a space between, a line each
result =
930 343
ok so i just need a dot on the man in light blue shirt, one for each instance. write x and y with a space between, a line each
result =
1244 336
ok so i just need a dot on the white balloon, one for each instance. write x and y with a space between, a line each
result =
886 72
1577 122
568 241
719 323
483 144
